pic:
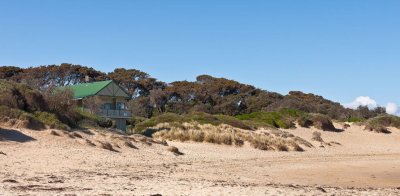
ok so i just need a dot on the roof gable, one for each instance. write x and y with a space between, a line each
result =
114 90
107 88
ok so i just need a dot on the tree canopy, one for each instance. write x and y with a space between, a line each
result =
206 94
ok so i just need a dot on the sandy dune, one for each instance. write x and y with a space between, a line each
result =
38 162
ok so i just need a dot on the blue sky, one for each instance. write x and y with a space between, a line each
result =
338 49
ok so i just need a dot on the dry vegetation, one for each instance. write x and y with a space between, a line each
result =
324 123
55 133
130 144
75 134
107 146
174 150
228 135
381 123
316 136
90 143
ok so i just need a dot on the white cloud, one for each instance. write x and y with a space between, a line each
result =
362 101
392 108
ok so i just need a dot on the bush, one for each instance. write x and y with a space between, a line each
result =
60 103
54 101
305 122
385 120
380 123
346 126
355 119
18 96
284 118
378 129
12 113
316 136
136 120
232 121
50 120
87 115
174 150
20 118
105 123
323 122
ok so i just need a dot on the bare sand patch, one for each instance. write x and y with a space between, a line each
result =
365 163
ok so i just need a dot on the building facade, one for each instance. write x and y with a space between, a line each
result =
105 99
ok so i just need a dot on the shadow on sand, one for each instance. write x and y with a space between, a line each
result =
14 135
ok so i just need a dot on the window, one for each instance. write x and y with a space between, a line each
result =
107 106
120 106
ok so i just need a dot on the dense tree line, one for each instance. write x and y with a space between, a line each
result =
205 94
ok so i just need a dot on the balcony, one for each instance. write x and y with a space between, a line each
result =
114 113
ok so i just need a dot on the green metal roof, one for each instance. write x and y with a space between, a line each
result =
88 89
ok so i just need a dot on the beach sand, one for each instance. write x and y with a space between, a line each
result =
355 162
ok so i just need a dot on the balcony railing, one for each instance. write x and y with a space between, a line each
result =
115 113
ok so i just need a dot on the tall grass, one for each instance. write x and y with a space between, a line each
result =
199 117
224 134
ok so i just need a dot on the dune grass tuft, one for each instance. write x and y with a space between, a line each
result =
108 146
55 133
77 135
316 136
130 145
175 150
90 143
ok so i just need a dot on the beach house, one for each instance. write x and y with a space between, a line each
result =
106 99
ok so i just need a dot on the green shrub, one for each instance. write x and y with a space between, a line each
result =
385 120
87 119
28 120
232 121
380 123
136 120
143 125
305 121
50 120
87 115
355 119
284 118
269 119
323 122
19 96
105 123
12 113
29 100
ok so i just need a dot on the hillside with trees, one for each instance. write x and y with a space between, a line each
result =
31 90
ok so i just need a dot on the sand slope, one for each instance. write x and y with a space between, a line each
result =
38 162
